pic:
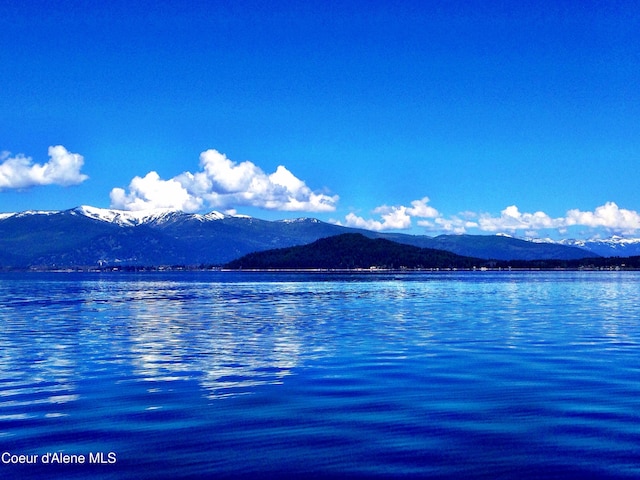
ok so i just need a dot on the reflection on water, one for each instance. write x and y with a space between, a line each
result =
226 344
226 338
475 374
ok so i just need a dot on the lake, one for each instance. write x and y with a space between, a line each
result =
320 375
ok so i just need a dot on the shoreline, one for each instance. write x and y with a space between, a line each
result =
371 270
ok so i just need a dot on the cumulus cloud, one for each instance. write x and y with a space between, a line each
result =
353 220
608 217
150 192
453 224
394 217
223 184
511 219
63 168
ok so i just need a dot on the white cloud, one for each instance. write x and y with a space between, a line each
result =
224 184
394 217
228 177
353 220
63 168
608 216
419 208
511 219
150 192
453 224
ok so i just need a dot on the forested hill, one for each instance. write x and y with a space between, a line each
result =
353 251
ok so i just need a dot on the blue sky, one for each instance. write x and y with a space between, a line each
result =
422 117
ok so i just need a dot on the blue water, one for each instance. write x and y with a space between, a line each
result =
227 375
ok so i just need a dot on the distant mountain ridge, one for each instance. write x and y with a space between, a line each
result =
497 247
615 246
90 236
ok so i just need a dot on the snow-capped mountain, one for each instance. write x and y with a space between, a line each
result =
119 217
85 236
614 246
127 218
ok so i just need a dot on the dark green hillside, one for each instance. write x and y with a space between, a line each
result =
350 251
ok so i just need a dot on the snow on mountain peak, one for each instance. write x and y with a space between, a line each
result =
300 220
36 212
210 216
124 217
128 218
27 213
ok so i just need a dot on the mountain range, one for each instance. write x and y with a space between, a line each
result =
88 236
615 246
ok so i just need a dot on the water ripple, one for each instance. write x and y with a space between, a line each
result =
441 375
